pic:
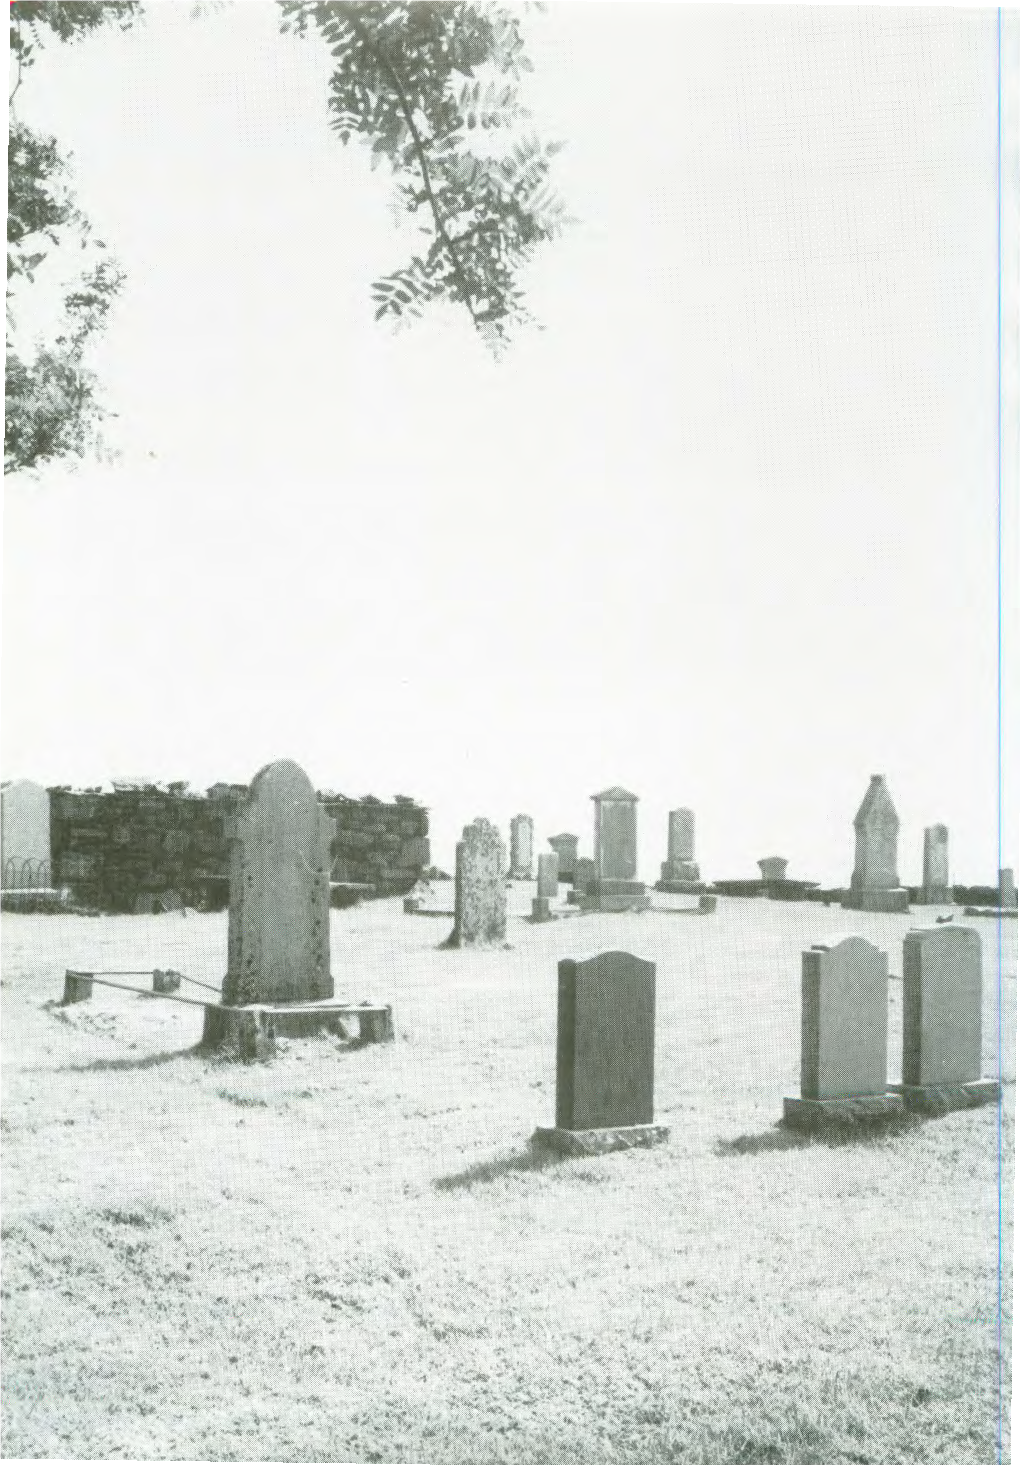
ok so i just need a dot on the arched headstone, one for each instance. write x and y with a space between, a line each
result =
278 933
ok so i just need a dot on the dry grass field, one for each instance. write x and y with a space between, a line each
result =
353 1254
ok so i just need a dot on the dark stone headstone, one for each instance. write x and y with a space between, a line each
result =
605 1042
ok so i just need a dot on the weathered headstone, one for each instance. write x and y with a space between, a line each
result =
773 868
605 1056
480 899
935 877
942 1020
680 870
522 833
584 874
24 835
278 930
843 1034
875 884
1007 890
548 886
549 875
615 887
565 846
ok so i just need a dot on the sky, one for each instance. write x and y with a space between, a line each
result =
723 531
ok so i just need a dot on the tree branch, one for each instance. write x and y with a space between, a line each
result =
422 156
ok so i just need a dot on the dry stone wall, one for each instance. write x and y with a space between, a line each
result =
128 849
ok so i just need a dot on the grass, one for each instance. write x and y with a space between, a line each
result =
355 1254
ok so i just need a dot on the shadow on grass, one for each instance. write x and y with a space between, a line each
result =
833 1135
484 1171
129 1065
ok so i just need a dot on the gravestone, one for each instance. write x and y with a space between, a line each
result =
1007 890
615 887
843 1035
680 871
584 874
278 929
480 897
875 884
942 1021
25 835
935 877
773 868
548 886
605 1056
522 834
548 875
565 846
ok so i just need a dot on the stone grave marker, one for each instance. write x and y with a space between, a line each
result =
1007 890
773 868
605 1056
615 886
936 889
522 834
680 871
565 846
480 897
942 1021
875 883
584 874
548 886
843 1035
278 929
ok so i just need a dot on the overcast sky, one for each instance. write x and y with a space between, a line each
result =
724 532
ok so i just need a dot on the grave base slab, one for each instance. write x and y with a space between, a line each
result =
943 1098
601 1141
811 1114
250 1032
681 887
540 909
996 912
887 902
616 895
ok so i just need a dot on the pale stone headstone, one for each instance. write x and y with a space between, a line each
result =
548 876
935 876
773 868
941 1007
565 846
605 1042
24 835
875 883
615 886
1007 889
480 900
278 929
522 832
844 1020
615 834
680 870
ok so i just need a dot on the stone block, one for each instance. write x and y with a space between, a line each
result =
615 895
706 904
680 842
540 909
941 1007
247 1033
77 987
168 981
944 1098
605 1042
601 1141
820 1114
1007 889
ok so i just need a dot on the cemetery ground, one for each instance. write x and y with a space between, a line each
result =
352 1253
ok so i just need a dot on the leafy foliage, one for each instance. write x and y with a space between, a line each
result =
406 80
52 406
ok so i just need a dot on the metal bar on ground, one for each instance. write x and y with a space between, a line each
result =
143 991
